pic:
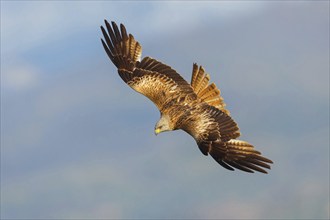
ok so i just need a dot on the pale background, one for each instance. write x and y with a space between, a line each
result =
76 142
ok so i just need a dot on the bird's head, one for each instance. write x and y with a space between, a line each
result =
163 124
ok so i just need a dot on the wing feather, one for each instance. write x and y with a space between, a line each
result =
215 133
123 50
240 155
151 64
159 82
150 77
155 86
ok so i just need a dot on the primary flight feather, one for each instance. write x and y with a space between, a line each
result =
196 108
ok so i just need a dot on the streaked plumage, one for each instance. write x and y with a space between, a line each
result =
196 108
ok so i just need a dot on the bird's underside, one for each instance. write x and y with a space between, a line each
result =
196 108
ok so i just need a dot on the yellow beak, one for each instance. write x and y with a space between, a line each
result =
157 131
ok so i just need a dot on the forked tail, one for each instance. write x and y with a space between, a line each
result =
208 93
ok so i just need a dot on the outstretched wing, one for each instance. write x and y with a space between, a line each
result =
215 133
208 93
157 81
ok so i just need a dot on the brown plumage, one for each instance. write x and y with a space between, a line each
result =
196 108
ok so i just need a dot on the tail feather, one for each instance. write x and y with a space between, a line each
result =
209 89
208 93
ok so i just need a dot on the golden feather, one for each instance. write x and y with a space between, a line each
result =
196 108
208 93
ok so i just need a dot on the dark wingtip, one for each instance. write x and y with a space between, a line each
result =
106 22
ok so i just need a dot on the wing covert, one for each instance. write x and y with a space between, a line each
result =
156 86
208 124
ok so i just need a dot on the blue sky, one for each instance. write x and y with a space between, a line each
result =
76 142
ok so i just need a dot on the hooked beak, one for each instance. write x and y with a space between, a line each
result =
157 131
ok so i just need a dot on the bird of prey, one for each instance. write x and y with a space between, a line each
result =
197 108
